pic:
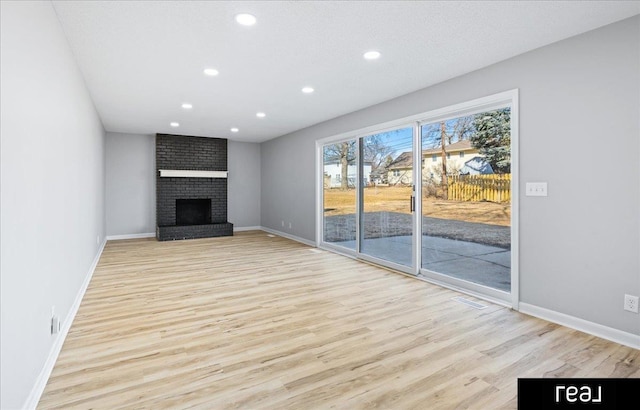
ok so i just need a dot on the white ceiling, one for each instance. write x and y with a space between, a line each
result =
142 60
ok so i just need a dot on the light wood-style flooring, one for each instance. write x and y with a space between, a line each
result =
260 322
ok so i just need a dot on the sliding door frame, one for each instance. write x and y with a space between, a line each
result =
488 103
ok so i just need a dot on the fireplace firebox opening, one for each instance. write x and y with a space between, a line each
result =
193 212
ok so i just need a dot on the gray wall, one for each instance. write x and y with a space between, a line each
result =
130 184
52 189
579 130
244 184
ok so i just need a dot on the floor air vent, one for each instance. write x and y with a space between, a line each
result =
468 302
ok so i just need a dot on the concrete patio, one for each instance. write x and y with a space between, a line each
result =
478 253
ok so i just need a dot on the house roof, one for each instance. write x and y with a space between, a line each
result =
464 145
404 160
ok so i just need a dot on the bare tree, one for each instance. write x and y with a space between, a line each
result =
457 129
443 154
376 152
462 129
345 154
441 135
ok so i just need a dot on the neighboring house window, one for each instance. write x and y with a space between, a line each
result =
448 155
396 172
461 154
434 158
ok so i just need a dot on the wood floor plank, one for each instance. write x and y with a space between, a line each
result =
261 322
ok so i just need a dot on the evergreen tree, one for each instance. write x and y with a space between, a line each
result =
493 138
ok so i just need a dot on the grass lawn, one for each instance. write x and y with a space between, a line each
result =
396 199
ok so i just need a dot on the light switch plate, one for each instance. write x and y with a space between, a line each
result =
536 189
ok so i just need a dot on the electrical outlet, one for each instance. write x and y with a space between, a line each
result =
55 321
55 325
631 303
289 225
282 223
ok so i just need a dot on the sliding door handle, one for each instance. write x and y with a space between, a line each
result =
412 203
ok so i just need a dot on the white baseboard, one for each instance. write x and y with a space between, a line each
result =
247 228
289 236
131 236
605 332
43 377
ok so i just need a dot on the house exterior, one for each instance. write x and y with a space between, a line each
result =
458 154
399 171
462 158
333 174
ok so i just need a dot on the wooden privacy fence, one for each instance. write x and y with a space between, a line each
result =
492 187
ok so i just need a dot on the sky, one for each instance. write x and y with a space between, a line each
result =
400 140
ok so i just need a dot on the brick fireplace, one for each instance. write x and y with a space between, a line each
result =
191 187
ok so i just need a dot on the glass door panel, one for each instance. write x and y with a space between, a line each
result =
387 197
466 199
339 193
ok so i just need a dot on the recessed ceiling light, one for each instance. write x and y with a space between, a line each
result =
187 106
234 129
246 19
211 71
307 90
174 124
371 55
261 115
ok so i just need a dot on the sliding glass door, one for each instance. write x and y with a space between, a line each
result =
432 198
388 197
466 199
